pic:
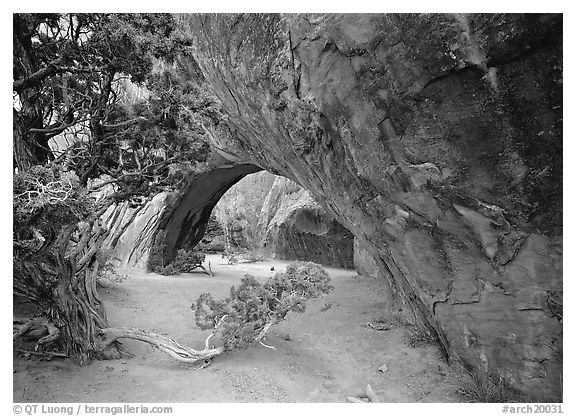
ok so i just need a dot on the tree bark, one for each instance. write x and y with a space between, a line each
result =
62 277
28 151
79 314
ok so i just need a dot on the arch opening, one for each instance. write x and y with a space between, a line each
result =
256 212
186 221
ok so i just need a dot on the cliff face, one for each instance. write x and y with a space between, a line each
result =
295 227
238 210
139 225
436 140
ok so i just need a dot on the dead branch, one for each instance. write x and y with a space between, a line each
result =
22 330
37 76
44 353
58 128
264 331
203 269
112 127
371 395
354 400
25 324
368 394
207 342
115 180
163 343
53 334
266 346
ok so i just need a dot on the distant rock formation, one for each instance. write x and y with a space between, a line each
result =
274 216
295 227
365 264
239 209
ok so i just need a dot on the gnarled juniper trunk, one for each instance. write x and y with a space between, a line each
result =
61 277
78 312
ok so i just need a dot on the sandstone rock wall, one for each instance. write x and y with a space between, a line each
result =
239 208
294 227
436 140
173 220
133 246
365 264
275 216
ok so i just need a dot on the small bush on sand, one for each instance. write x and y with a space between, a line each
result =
188 260
169 270
243 318
185 262
251 309
479 387
417 337
155 262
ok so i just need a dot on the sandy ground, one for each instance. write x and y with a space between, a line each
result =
323 355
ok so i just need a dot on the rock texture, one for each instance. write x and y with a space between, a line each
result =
186 218
435 139
295 227
275 216
365 264
133 246
239 209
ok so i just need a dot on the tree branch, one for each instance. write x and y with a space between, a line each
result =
57 130
118 179
37 76
112 127
264 331
207 342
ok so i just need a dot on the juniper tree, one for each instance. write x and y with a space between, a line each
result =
77 131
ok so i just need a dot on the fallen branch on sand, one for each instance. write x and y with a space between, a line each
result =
368 394
165 344
43 353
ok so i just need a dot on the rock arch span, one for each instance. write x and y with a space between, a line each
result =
187 218
435 139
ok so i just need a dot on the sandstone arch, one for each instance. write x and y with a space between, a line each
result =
435 139
187 219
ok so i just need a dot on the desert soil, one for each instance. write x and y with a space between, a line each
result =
324 355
